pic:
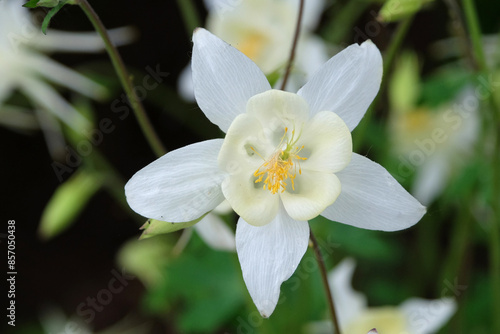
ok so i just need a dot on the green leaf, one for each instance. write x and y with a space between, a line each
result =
203 289
404 88
46 3
443 86
53 11
31 4
68 202
147 259
155 227
395 10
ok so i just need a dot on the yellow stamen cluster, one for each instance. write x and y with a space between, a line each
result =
279 166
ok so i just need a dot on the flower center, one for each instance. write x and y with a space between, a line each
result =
252 45
280 166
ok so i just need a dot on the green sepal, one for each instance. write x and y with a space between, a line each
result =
68 201
50 14
154 227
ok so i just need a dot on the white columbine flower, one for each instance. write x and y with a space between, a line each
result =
413 316
263 30
435 143
24 66
286 159
432 142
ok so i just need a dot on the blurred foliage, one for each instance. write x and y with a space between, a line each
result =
395 10
68 202
202 289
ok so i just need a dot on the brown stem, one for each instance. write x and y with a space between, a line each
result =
294 45
324 278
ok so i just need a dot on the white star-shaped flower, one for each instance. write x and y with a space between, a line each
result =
413 316
263 30
25 67
286 158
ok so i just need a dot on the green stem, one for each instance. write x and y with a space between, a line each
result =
393 49
458 26
495 232
189 15
495 266
124 77
475 36
389 56
475 33
457 251
324 279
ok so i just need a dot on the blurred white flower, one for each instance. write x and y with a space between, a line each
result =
53 320
286 158
214 231
263 30
413 316
430 142
25 67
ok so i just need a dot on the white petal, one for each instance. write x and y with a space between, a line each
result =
346 84
244 138
52 132
43 95
180 186
314 191
216 233
66 77
185 84
311 55
431 178
66 41
349 303
276 110
210 4
223 79
427 316
18 118
269 255
327 143
261 29
372 199
6 87
256 205
223 208
249 200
